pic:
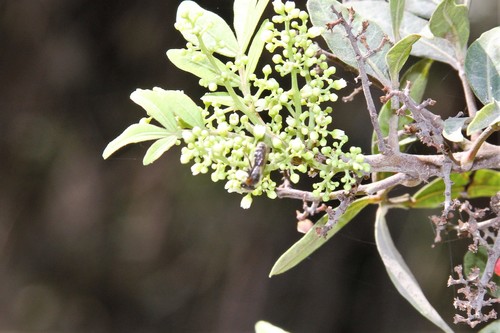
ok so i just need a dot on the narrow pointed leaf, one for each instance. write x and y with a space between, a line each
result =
400 274
481 183
216 34
255 50
397 11
133 134
489 115
158 148
247 14
451 21
198 64
398 55
482 66
310 242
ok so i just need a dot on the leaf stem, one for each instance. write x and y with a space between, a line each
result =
468 157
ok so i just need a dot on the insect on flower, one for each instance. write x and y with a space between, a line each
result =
257 169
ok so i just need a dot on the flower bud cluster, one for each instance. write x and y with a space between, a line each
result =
297 129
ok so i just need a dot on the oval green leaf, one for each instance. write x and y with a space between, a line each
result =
310 242
482 66
451 21
133 134
400 274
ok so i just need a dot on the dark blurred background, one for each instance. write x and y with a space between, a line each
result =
88 245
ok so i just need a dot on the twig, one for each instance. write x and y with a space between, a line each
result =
365 82
335 214
447 187
469 96
469 156
350 97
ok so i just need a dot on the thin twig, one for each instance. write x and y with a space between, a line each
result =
365 82
468 158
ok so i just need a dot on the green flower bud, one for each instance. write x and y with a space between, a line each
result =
259 131
294 178
246 201
296 145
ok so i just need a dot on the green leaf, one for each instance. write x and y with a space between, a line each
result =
397 56
198 64
158 148
397 11
321 14
400 274
159 102
153 102
453 129
218 98
214 31
418 75
255 50
383 119
247 14
489 115
481 183
451 21
485 183
136 133
479 260
493 327
184 107
265 327
310 242
482 66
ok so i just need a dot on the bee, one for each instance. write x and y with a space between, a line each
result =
257 169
